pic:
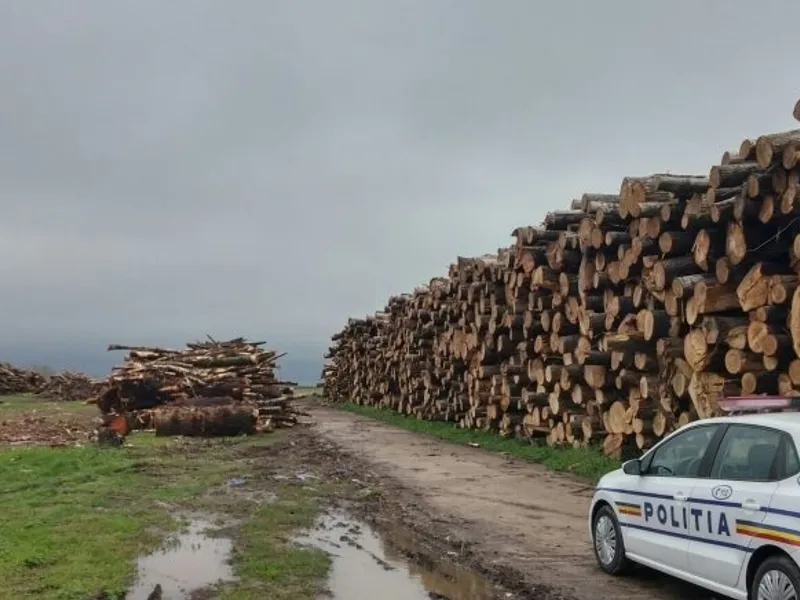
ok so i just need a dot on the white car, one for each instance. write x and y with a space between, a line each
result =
716 503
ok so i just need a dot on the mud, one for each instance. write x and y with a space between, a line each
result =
366 565
408 538
420 518
189 563
516 525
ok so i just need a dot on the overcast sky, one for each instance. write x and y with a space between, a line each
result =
269 168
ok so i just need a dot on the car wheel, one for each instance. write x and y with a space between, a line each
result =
609 549
777 578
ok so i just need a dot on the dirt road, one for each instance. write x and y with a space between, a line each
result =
519 519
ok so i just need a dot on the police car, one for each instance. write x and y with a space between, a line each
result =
716 503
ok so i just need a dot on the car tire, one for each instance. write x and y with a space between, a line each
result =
775 572
607 543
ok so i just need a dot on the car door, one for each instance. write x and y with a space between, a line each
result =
656 530
731 503
781 526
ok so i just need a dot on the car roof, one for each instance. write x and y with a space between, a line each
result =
786 421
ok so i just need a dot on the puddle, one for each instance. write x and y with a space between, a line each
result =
364 567
189 561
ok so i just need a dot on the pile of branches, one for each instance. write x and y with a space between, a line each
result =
617 320
14 380
66 385
209 388
69 385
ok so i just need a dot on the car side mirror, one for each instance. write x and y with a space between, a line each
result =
632 467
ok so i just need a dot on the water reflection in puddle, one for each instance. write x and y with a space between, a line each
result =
191 560
364 568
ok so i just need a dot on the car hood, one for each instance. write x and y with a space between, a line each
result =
612 479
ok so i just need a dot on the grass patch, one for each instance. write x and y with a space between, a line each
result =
307 390
270 569
24 403
590 463
72 522
75 519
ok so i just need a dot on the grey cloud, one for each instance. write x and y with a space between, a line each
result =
271 168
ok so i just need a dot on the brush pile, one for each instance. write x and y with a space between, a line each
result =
14 380
65 385
207 389
616 321
68 385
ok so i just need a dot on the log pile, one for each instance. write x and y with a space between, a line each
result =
615 321
68 385
207 389
207 421
14 380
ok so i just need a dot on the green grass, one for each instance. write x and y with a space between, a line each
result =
270 569
307 390
72 522
587 463
75 519
26 402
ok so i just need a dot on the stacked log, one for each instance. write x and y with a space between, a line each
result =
209 388
551 338
617 320
741 341
620 354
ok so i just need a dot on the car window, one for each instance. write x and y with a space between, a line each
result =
747 453
681 456
791 464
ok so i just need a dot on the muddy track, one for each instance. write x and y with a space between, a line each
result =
520 526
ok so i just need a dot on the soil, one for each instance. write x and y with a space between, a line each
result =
41 430
408 529
521 527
